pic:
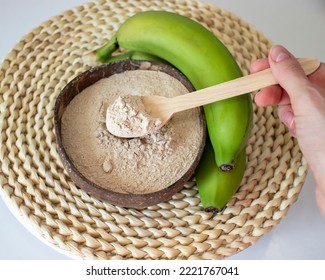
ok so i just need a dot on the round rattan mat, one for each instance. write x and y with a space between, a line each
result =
43 197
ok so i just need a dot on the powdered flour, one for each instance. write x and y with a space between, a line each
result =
138 165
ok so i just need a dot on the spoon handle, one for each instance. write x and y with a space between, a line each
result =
236 87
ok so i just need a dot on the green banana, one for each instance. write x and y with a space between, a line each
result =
216 187
204 60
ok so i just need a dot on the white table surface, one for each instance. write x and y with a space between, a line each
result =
297 24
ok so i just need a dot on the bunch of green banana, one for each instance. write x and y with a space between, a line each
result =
205 61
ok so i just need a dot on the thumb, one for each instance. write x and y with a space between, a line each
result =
287 71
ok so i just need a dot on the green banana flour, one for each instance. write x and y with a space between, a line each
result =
136 165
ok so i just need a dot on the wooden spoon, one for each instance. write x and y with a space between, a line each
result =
163 108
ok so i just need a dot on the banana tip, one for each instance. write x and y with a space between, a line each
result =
212 209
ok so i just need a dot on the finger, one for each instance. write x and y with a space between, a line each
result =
259 65
287 71
286 115
272 95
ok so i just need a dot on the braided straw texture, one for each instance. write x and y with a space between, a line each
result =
42 196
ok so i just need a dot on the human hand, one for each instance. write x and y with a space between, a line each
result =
301 107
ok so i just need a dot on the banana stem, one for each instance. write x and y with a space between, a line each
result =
120 57
105 52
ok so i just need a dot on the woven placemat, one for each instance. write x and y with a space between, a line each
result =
43 197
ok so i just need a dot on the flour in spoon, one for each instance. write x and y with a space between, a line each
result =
128 117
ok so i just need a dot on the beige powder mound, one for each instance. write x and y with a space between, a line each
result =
127 117
137 165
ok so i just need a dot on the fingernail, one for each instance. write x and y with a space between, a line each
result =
289 119
257 97
279 54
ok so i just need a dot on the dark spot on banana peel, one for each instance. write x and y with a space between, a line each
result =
226 167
